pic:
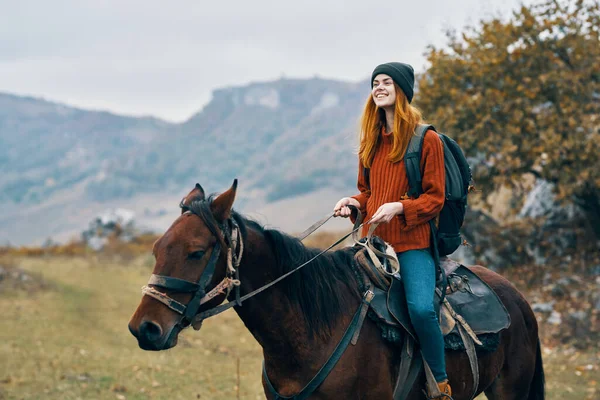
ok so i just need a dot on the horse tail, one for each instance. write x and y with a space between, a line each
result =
536 390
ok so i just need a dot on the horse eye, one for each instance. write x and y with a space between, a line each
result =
196 255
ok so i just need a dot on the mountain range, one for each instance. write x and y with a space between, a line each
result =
291 143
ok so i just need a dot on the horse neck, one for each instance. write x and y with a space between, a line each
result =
274 321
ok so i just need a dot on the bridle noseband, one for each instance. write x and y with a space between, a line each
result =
200 296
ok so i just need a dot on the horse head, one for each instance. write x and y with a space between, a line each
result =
191 260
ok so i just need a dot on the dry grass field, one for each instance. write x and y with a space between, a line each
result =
63 335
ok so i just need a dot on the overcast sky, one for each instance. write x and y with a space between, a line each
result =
164 58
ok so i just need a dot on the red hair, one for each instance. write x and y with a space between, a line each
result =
406 119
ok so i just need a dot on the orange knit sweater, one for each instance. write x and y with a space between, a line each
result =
389 183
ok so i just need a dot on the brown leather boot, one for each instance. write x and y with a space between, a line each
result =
445 390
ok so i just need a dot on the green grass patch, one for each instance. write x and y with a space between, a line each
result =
70 341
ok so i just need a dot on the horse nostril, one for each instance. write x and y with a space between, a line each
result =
150 330
133 332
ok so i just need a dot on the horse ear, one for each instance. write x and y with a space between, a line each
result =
221 206
197 194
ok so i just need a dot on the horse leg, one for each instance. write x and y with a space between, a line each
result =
508 386
528 385
521 376
501 377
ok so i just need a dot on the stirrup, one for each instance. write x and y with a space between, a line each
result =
443 396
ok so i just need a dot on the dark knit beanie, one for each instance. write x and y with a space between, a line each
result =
402 74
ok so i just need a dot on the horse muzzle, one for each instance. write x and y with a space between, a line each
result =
151 336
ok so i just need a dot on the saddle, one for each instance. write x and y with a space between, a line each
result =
468 310
468 296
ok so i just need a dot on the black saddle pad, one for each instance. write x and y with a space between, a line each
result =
383 313
482 309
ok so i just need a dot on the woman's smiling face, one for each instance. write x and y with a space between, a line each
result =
383 92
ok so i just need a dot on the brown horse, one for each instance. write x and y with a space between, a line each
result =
300 320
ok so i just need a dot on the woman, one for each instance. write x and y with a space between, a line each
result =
388 122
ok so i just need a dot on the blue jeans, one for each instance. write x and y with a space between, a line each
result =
417 269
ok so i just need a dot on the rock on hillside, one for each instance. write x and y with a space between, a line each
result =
280 138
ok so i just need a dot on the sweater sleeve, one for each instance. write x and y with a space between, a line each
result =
364 189
429 204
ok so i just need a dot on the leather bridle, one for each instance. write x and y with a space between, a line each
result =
199 289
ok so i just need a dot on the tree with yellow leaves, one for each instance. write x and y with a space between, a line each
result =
523 97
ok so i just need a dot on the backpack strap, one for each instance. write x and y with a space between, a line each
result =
412 160
366 173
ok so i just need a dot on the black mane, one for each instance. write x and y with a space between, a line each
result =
318 289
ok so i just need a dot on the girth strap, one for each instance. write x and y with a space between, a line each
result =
472 353
410 367
320 377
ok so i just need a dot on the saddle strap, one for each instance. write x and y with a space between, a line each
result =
361 318
319 378
410 367
472 353
433 391
461 321
469 339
